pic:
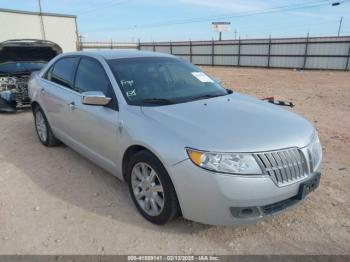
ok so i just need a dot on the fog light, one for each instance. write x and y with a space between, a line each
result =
245 212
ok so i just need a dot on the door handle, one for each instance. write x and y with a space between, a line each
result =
42 91
72 106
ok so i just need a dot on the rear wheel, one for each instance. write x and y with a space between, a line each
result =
43 128
151 188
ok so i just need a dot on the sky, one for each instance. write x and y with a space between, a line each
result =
176 20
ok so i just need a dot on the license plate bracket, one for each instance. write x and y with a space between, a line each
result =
308 186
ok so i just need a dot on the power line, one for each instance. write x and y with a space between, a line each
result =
109 4
306 27
304 5
290 25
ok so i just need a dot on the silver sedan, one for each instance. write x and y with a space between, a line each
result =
184 144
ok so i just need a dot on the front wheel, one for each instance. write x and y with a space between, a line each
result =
151 188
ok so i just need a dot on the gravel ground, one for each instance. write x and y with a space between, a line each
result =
53 201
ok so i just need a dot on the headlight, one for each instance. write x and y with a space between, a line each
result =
232 163
315 150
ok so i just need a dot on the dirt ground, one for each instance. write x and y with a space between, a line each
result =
53 201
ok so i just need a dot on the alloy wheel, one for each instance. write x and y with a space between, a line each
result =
41 127
147 189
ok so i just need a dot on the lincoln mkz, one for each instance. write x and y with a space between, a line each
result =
184 144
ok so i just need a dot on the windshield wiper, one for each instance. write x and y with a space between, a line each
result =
206 96
156 101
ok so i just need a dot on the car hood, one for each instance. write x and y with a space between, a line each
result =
28 50
233 123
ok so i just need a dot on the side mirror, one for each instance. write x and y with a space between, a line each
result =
95 98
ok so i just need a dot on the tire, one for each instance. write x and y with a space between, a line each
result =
43 129
145 161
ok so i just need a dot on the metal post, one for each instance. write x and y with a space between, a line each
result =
154 46
111 43
190 51
212 52
219 36
306 48
43 35
77 34
138 44
171 47
80 43
239 52
347 60
269 53
340 23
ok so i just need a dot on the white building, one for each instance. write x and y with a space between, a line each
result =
58 28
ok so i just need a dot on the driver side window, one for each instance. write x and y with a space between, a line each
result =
91 76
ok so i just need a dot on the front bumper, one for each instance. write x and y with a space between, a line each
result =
223 199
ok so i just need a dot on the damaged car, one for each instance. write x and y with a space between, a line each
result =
183 143
18 60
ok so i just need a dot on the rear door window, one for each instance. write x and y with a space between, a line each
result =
63 71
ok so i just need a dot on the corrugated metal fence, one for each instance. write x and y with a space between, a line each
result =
301 53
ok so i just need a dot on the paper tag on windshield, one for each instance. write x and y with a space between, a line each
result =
202 77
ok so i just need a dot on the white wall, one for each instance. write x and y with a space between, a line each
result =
58 29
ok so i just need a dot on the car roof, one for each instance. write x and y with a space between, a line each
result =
120 53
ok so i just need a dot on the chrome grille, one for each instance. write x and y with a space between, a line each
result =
283 166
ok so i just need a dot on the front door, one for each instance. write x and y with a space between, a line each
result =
94 129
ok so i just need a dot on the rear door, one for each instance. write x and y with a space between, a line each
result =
57 93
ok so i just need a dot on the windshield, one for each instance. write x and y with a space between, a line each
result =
161 81
19 67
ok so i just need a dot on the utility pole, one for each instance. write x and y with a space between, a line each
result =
41 21
81 37
80 45
341 19
340 23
